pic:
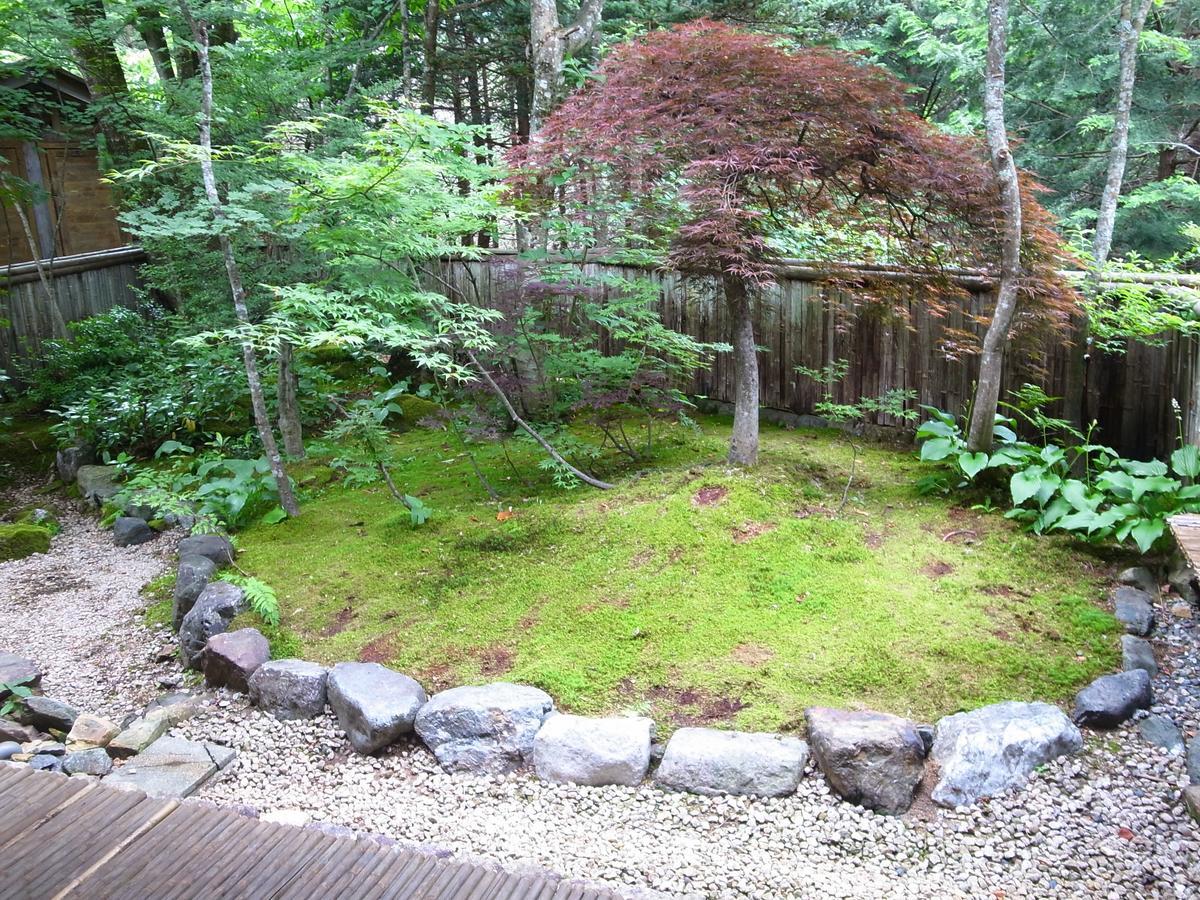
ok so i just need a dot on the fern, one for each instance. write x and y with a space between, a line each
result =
260 596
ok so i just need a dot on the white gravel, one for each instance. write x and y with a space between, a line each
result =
1106 823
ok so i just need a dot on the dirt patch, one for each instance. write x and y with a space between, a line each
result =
923 808
641 558
688 707
381 650
439 678
343 618
752 654
751 530
710 496
873 540
493 661
937 568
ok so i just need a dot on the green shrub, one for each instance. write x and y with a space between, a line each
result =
19 541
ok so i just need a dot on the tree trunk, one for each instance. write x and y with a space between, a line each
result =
433 13
96 55
261 420
149 23
549 43
1129 30
288 404
991 362
743 445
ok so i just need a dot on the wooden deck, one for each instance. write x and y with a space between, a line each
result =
1186 529
66 837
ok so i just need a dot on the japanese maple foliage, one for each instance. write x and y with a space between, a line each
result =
739 138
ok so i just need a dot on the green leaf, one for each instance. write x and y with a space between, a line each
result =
1005 434
1155 484
972 463
937 448
936 428
1186 461
274 517
417 511
1025 484
1144 469
1146 532
1077 494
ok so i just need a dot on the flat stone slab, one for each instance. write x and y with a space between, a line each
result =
46 713
1138 653
140 734
18 670
373 704
989 750
1134 609
1161 732
582 750
873 759
1111 699
172 767
1141 578
707 761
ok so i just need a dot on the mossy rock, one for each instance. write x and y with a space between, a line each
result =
19 541
416 408
36 515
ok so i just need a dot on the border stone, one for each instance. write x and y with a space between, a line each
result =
374 704
290 688
582 750
1111 699
1134 609
230 658
191 577
1138 653
708 761
872 759
483 728
215 547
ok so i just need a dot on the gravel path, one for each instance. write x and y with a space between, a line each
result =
1106 823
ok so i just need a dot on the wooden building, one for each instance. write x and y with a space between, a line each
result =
68 210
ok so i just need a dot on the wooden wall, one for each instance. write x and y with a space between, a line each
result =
83 285
801 321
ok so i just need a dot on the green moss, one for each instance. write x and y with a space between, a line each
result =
416 408
693 591
159 596
36 515
19 541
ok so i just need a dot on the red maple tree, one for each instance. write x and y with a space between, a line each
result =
736 137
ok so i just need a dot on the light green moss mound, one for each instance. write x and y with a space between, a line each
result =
19 541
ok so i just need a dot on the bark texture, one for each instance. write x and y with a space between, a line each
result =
289 404
550 43
743 446
991 362
262 421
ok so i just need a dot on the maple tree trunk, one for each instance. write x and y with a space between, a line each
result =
149 23
433 15
743 445
262 421
289 404
991 362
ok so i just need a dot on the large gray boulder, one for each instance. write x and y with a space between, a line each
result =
489 728
68 461
581 750
97 484
230 658
214 609
987 751
216 547
707 761
290 688
1111 699
870 758
1134 609
130 530
18 670
47 713
373 704
191 578
1137 653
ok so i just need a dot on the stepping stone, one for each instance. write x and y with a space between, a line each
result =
178 706
172 767
873 759
232 657
1138 653
1111 699
129 531
191 578
987 751
1161 732
138 735
18 670
373 704
290 688
47 713
88 762
1134 609
214 609
1141 578
581 750
214 546
483 729
92 731
707 761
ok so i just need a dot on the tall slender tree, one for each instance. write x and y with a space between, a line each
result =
550 42
262 420
995 340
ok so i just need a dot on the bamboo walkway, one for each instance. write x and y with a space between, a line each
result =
67 837
1186 529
